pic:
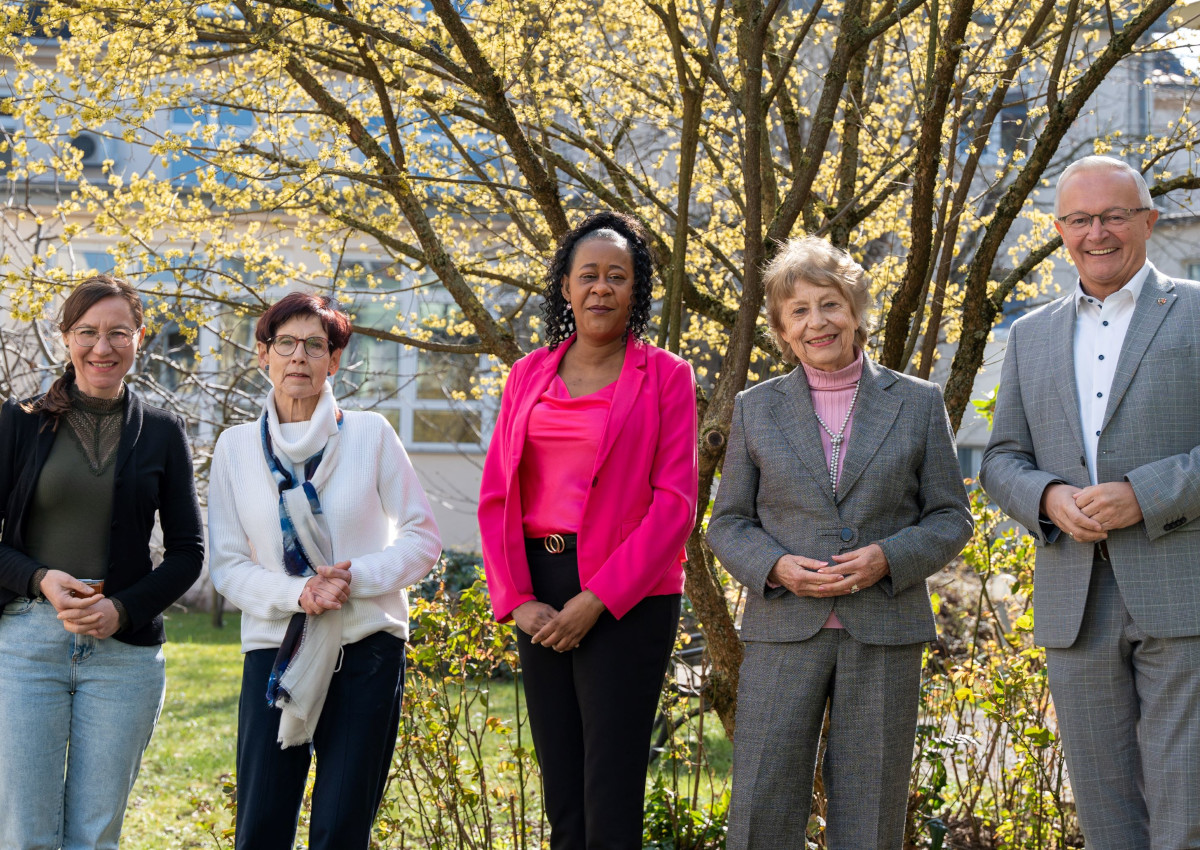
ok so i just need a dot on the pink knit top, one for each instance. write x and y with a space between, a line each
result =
831 394
559 458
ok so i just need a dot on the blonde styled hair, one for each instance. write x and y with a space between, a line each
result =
817 262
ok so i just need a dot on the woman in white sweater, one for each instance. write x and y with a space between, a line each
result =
317 523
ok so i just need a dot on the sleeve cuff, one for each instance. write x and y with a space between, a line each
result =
35 583
122 614
1049 530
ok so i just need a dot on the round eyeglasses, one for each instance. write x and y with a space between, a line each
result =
314 346
117 337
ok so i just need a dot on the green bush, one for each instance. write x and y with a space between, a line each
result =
463 775
455 571
989 770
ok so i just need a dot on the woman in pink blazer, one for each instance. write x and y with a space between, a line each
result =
588 495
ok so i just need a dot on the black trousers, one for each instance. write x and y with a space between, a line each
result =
353 745
591 712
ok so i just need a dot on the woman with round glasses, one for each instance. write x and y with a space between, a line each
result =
317 523
83 470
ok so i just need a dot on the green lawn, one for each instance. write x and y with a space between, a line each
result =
178 792
178 801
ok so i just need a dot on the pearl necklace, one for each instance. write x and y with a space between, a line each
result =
837 439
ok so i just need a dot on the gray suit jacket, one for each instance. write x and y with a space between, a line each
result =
900 487
1150 437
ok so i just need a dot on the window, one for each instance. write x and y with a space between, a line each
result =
44 25
1193 271
168 357
371 367
1014 120
184 168
8 131
426 395
95 262
443 412
969 460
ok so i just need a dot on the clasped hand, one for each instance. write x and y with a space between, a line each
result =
328 590
81 609
559 630
849 571
1087 514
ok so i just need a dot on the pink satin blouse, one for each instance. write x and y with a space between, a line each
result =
560 458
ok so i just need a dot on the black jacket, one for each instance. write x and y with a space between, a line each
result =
153 473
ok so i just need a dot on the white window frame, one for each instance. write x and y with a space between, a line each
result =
404 405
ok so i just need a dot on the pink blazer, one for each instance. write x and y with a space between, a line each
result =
642 503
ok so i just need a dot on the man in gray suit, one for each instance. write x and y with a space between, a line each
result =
1096 450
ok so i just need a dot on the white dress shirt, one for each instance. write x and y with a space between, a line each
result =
1100 328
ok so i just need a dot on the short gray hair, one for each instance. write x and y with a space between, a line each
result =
816 261
1098 163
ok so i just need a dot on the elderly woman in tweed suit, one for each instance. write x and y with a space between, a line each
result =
840 495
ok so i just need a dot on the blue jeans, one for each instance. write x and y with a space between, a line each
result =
76 714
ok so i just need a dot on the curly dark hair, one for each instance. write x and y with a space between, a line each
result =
560 321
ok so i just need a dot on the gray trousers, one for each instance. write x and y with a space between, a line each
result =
872 692
1128 710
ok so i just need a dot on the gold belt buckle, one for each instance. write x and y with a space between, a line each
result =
555 544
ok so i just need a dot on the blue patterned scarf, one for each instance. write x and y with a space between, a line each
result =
296 560
305 661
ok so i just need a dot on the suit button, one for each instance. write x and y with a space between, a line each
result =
847 534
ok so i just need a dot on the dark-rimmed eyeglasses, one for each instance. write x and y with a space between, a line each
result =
117 337
314 346
1116 218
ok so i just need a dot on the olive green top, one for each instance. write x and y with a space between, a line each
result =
72 504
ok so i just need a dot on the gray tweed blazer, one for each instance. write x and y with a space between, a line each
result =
1150 438
900 487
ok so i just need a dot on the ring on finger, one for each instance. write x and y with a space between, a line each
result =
854 588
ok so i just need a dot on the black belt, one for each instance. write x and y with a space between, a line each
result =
1101 551
555 544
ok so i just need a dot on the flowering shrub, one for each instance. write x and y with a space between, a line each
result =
989 770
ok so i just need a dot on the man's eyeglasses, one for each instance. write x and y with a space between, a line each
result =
1115 219
315 347
117 337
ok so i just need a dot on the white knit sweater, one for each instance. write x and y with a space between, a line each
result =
378 516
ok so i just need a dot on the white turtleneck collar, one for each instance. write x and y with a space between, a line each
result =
298 441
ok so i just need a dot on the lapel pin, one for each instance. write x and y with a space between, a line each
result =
1162 301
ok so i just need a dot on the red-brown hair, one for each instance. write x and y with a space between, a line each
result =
334 321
